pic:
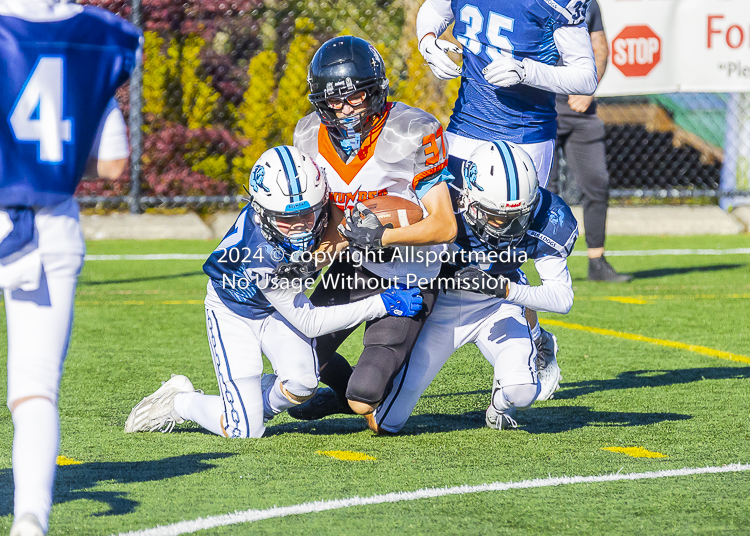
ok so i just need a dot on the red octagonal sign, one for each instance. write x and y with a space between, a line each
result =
636 50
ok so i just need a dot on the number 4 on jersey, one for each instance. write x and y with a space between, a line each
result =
37 114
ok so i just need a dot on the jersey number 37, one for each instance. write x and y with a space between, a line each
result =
37 115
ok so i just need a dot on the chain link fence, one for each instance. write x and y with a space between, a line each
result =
223 80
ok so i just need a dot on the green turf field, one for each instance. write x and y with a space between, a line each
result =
138 321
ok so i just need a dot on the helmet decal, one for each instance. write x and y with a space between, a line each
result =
256 178
470 175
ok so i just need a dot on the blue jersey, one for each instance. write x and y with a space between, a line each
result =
59 76
553 232
523 28
241 265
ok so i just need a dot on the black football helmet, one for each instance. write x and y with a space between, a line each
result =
340 68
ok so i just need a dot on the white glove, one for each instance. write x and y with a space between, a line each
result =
505 72
435 53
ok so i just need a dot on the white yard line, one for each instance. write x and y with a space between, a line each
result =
625 253
249 516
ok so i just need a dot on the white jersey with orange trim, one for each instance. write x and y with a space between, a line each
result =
403 155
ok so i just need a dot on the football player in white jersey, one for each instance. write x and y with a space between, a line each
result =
253 306
517 54
61 65
500 210
368 147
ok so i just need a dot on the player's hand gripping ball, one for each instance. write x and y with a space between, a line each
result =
362 228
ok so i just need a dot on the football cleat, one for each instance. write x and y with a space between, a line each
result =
27 525
500 420
156 412
324 403
547 368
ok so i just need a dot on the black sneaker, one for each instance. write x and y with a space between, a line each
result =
324 403
601 270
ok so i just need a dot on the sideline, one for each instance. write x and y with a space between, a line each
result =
249 516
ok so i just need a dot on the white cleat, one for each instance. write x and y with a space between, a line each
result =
27 525
156 412
547 368
498 420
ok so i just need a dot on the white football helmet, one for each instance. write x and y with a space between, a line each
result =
290 198
500 193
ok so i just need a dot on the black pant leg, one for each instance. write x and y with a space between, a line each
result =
333 368
585 152
388 344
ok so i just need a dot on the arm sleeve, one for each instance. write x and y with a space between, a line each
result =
314 321
555 295
111 142
434 17
577 74
594 18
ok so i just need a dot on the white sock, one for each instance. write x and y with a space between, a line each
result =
206 410
536 332
36 440
274 401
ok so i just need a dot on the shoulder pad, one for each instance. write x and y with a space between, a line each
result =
554 224
306 134
566 12
415 139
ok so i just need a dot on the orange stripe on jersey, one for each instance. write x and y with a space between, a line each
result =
348 171
428 173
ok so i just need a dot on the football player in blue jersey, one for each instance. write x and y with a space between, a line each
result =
517 54
255 306
61 65
503 219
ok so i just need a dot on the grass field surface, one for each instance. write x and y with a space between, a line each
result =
656 379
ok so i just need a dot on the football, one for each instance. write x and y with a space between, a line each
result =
394 210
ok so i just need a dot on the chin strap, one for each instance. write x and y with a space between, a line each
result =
352 142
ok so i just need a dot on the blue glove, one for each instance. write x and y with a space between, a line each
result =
402 301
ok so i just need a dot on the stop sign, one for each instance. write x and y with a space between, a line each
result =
636 50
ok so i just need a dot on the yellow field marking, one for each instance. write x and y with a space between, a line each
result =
62 460
628 299
636 452
704 350
345 455
641 299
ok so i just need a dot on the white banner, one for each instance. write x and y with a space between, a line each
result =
664 46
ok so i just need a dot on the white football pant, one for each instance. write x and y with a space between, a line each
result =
237 344
542 153
39 324
498 328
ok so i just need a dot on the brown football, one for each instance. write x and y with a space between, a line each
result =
395 210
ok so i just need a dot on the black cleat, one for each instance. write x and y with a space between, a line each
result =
324 403
601 270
